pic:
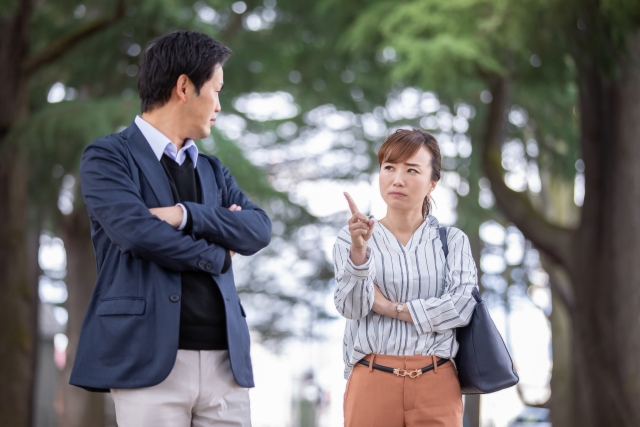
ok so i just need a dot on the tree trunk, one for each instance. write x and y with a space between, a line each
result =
601 257
561 401
17 316
607 248
559 208
17 334
80 407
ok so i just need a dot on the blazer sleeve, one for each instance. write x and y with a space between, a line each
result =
245 232
455 306
114 200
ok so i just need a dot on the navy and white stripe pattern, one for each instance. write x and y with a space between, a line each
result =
437 292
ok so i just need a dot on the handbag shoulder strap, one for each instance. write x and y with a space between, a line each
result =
442 231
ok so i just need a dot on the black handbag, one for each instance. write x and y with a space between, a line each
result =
483 361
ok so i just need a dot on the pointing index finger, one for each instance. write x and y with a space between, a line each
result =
352 205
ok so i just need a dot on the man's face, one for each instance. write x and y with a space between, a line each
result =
199 112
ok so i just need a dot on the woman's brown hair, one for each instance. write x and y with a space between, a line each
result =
401 145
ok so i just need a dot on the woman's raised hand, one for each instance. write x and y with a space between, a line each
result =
361 229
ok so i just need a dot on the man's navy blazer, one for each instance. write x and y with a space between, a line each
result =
129 336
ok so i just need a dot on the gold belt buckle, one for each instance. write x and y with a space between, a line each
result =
404 373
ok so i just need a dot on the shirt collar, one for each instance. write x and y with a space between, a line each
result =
428 230
160 144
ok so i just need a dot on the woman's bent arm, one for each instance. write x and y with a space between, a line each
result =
354 291
455 306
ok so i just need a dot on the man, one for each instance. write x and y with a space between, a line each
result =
165 330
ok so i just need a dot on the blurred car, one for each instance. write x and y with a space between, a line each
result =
530 417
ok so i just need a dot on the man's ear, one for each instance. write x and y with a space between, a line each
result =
181 87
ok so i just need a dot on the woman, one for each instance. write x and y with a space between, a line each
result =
403 299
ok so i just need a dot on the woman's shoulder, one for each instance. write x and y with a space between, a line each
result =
455 235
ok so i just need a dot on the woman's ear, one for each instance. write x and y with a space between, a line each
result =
432 186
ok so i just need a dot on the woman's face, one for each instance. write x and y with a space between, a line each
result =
405 185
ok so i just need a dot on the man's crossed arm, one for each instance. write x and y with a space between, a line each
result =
113 199
242 227
174 215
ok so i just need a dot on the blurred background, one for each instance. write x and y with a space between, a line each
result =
535 104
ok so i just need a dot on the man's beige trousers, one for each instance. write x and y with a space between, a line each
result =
200 391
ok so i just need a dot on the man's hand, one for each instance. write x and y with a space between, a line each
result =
172 215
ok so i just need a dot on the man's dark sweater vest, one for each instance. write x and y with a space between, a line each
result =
202 316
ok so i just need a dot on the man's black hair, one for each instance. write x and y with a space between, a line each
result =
167 57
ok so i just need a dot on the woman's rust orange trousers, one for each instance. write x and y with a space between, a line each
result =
381 399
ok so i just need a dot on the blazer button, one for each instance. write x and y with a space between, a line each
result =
174 298
201 263
208 266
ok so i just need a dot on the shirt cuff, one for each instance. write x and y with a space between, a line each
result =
419 316
359 270
185 215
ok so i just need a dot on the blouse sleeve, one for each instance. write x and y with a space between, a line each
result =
455 306
354 292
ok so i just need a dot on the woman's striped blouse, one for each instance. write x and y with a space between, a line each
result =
437 292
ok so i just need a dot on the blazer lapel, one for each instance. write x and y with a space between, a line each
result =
207 179
149 164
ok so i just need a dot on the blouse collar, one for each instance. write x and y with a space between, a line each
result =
427 231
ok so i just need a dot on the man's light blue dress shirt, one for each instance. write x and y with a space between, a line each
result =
160 145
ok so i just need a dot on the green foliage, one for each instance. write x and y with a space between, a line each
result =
432 38
594 32
625 13
455 48
55 137
8 8
102 70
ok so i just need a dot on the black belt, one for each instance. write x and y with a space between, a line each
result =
403 372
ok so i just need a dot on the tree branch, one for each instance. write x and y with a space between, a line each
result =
560 284
62 45
553 240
